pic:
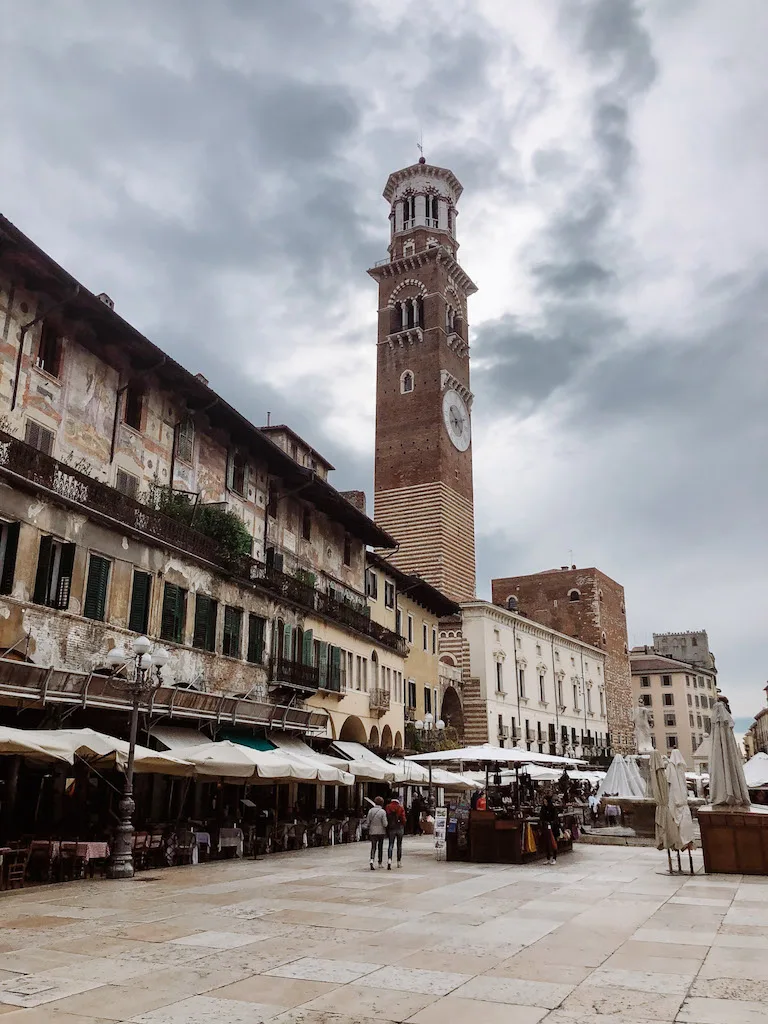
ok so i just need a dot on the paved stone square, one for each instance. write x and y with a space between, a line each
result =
315 938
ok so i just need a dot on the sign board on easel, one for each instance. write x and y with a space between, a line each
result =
441 820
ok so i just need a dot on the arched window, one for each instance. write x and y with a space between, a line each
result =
409 211
374 670
574 595
603 639
406 383
433 211
409 248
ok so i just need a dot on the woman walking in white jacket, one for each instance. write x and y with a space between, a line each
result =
376 821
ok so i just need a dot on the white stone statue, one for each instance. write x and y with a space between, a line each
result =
642 719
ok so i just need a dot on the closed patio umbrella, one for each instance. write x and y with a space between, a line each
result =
727 785
666 830
679 810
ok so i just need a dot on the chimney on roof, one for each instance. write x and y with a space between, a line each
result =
356 498
201 378
103 297
564 568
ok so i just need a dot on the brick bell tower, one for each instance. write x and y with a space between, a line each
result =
423 472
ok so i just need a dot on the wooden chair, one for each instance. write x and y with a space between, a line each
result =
16 870
140 850
185 847
42 857
156 850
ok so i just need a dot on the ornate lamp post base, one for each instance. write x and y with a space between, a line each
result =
121 862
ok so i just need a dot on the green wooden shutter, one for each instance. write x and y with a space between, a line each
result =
322 662
287 642
255 638
138 619
204 635
9 560
233 618
335 680
172 616
95 604
308 647
43 577
64 586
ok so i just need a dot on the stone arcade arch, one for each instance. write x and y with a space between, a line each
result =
353 730
374 740
398 741
451 711
386 738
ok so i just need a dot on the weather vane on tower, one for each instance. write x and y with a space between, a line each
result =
420 147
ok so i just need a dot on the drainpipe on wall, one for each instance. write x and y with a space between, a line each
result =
557 702
22 339
517 685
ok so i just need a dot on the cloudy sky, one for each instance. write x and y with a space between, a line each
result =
217 168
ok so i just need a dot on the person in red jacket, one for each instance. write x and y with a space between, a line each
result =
395 830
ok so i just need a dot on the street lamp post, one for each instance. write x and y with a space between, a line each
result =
431 730
143 659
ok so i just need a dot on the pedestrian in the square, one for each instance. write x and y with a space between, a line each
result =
550 826
376 821
395 830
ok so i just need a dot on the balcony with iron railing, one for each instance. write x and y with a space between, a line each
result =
19 459
294 674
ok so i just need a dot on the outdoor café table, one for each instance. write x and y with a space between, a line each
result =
86 852
231 838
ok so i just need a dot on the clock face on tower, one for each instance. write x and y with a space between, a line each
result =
456 419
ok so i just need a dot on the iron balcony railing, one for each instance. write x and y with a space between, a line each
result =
284 672
21 459
25 685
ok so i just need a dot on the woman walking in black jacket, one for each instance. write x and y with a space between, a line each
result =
550 826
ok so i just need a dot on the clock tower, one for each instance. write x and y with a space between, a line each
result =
423 473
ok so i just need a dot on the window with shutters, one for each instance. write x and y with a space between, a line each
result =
185 440
141 593
669 719
389 594
127 483
372 585
399 622
49 351
9 543
256 630
204 635
411 693
668 699
233 631
173 614
53 581
39 437
95 603
133 405
237 473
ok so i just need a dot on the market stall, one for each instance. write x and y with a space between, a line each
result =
504 826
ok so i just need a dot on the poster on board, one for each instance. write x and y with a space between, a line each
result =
441 821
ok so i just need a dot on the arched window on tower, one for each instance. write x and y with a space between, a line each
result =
406 382
433 211
409 212
574 595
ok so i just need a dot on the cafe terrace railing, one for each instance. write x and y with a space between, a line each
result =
25 685
21 459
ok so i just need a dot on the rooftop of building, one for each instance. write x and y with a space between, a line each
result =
416 588
102 327
282 428
645 660
521 617
563 569
422 169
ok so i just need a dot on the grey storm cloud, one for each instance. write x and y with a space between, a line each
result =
218 169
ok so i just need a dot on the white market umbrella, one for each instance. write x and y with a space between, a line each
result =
664 825
22 741
620 781
727 785
634 773
679 810
485 753
539 773
756 770
99 748
226 759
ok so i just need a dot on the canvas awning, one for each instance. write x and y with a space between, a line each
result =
364 764
176 738
228 760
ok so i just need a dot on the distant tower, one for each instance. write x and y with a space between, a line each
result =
423 476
